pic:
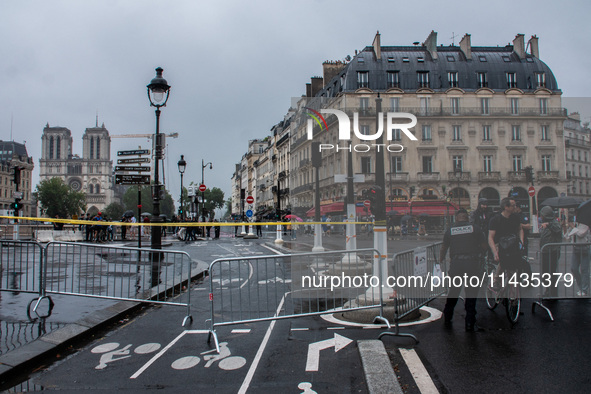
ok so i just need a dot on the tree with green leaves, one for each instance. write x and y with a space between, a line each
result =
130 201
55 197
214 199
113 211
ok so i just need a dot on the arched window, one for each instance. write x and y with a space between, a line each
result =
91 189
91 148
98 189
50 147
58 148
98 148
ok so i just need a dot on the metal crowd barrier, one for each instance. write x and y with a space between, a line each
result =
21 267
561 271
97 271
262 288
411 273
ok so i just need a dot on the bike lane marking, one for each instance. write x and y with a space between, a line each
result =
257 357
165 349
418 371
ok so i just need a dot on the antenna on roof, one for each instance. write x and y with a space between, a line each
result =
11 118
453 38
97 118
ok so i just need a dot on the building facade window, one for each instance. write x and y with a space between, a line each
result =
485 106
91 148
58 146
364 129
545 136
362 79
425 104
517 163
541 80
514 106
394 104
543 106
393 79
455 105
396 164
486 133
511 80
396 135
428 164
515 133
364 105
547 163
487 164
452 78
426 133
423 79
457 133
51 147
482 80
366 165
458 162
98 148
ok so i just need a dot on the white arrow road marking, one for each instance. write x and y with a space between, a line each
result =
314 349
274 280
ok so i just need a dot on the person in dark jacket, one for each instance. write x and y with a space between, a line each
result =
550 232
465 242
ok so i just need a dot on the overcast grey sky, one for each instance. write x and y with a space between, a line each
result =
233 65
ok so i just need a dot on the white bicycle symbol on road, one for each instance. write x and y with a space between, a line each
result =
110 352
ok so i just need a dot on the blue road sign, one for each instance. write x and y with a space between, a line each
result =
249 213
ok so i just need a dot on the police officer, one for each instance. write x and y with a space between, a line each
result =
465 242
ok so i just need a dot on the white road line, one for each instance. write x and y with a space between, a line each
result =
160 353
300 329
272 250
257 357
335 328
157 356
241 331
418 371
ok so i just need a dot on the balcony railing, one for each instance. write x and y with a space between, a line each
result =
516 176
464 177
301 189
397 177
492 176
546 176
428 176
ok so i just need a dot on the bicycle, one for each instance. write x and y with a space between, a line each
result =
508 293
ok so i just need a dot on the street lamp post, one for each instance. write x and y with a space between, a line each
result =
458 174
158 92
182 166
203 183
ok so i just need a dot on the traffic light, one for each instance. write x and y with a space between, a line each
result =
16 206
17 176
529 174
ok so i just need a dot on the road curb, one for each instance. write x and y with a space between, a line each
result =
379 374
23 360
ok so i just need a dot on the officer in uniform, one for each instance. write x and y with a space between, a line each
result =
465 242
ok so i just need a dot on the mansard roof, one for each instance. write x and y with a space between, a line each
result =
407 61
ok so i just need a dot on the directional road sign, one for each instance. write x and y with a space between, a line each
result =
121 179
249 213
134 160
133 168
137 152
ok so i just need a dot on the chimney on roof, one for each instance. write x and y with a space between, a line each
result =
330 70
519 46
316 85
466 46
430 44
377 46
533 46
308 90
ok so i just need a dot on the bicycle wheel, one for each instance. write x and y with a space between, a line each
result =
513 304
490 295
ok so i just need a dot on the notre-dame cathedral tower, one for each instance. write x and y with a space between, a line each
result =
92 173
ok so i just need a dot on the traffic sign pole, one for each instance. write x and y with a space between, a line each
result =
531 191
